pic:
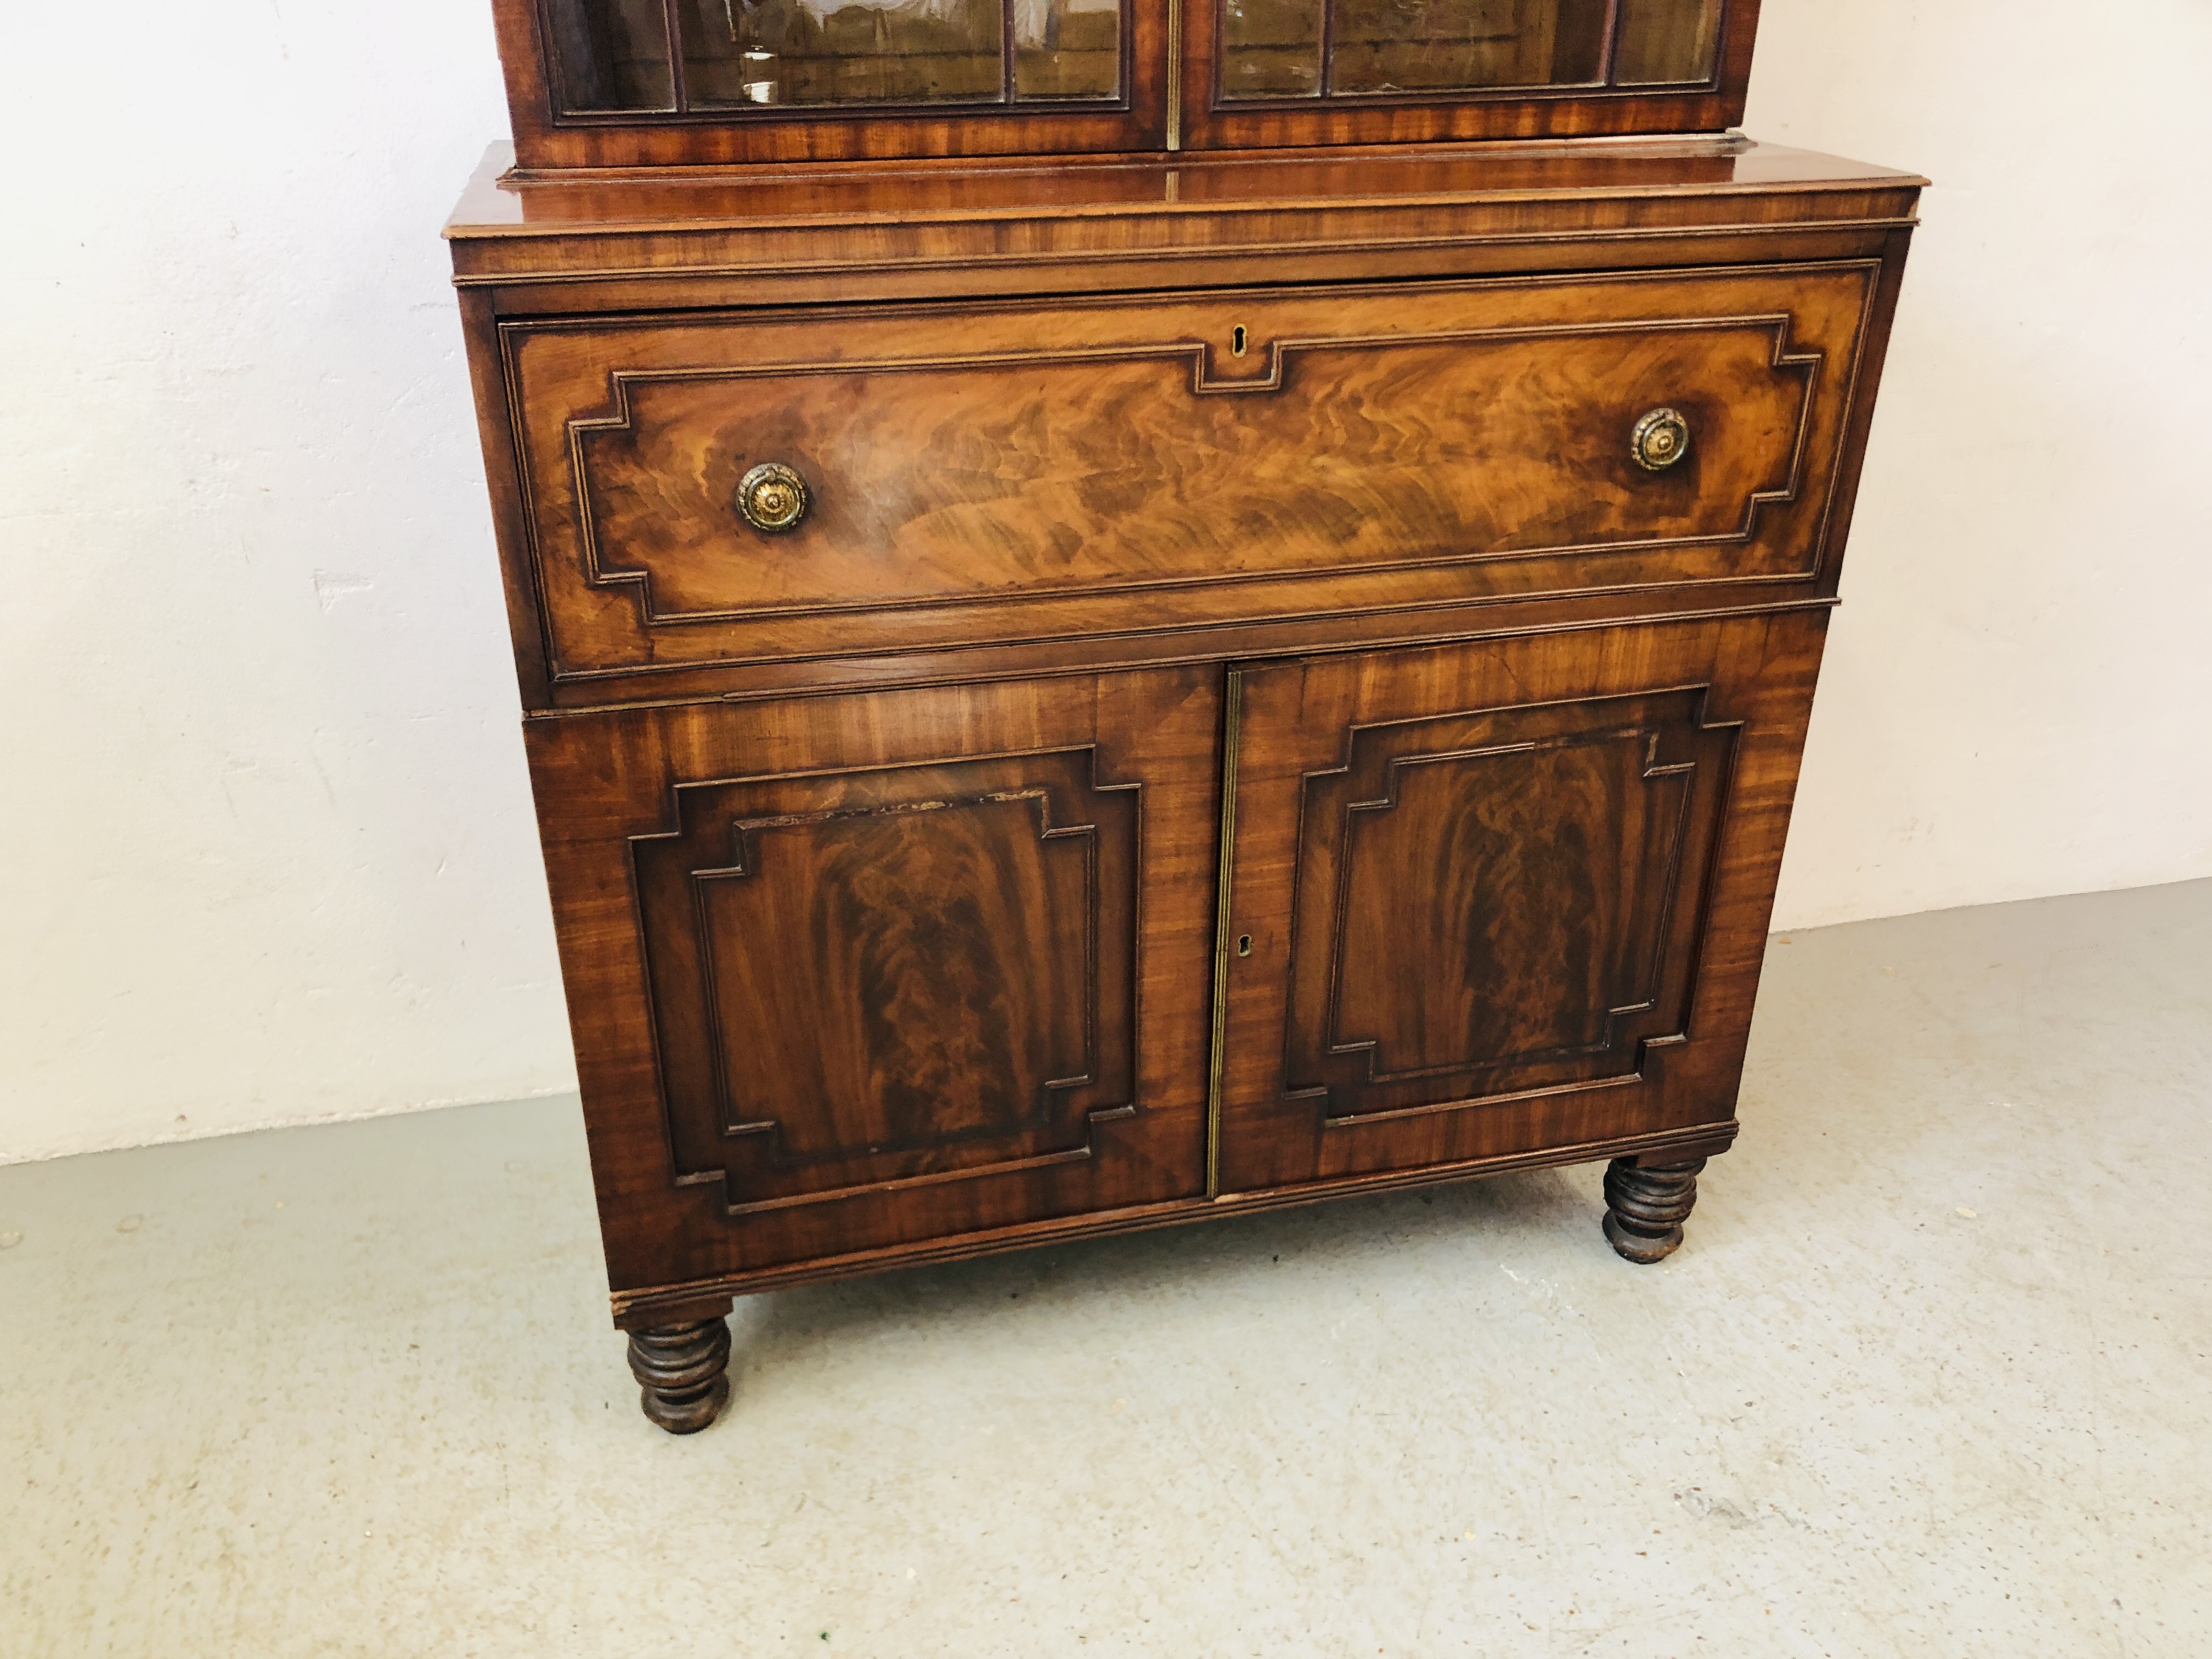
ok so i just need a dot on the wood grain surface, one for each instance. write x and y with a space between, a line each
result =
983 475
505 203
846 973
574 242
1546 928
886 856
1495 901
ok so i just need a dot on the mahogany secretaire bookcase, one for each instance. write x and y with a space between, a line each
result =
1133 609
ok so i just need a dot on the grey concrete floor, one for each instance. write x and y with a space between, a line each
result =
1931 1376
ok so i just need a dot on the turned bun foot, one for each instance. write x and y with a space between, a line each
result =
1644 1208
682 1372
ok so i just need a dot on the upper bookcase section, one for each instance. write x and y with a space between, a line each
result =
628 83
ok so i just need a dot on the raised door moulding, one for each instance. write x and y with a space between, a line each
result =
894 977
1497 902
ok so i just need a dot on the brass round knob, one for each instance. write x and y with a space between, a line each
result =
772 497
1661 438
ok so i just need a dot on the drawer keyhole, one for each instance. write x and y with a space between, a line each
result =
1244 945
1237 340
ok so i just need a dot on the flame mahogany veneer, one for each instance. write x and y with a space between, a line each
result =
1235 724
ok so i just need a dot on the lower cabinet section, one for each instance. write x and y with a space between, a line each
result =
866 977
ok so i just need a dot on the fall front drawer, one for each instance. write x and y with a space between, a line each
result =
937 478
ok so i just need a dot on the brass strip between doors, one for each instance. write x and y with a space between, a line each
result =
1174 75
1232 709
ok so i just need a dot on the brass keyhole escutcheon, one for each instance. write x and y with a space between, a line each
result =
1237 340
772 497
1660 438
1244 944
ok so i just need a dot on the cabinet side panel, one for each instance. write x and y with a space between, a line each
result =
510 517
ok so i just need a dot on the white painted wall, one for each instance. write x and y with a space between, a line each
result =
2017 688
265 846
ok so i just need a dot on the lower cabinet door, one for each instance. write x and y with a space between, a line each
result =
1500 898
849 974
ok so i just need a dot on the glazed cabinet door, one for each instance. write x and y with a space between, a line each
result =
1284 72
631 83
849 974
1487 899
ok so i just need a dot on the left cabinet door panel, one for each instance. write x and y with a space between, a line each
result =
852 975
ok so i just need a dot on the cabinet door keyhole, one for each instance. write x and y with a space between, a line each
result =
1237 340
1244 944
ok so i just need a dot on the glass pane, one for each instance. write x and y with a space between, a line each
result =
1067 48
1663 41
613 54
821 52
1441 46
1271 48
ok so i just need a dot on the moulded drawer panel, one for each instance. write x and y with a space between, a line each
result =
978 475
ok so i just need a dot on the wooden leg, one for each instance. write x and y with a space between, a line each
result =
1644 1208
684 1373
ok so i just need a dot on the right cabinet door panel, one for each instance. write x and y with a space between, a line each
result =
1491 898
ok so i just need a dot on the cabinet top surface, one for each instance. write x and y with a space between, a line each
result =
500 203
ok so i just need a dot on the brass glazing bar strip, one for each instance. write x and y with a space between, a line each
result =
1175 74
1232 709
679 85
1609 43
